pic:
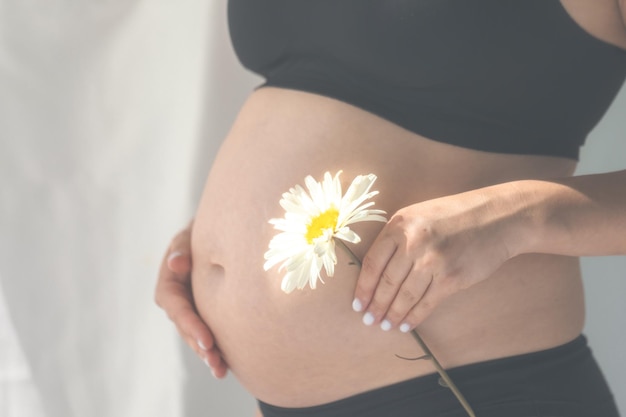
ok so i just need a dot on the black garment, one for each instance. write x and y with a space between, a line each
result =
507 76
564 381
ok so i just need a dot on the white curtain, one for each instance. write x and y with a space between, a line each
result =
101 108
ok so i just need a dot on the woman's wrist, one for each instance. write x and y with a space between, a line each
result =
521 216
574 216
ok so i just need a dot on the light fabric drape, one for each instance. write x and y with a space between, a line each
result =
100 116
18 395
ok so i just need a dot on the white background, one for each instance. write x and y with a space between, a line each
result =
110 115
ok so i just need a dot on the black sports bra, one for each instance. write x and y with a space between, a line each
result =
509 76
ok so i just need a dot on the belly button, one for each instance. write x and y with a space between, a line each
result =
216 271
209 271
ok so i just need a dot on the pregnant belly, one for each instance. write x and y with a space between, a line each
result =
309 347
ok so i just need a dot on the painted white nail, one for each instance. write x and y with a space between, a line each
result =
368 319
201 345
173 255
385 325
357 305
405 327
206 362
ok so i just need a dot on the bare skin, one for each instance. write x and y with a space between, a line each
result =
337 356
507 280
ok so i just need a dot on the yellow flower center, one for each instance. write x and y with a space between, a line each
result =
326 220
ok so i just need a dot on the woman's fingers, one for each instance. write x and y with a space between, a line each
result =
412 293
211 357
374 264
404 296
432 298
431 250
178 257
179 262
390 283
173 295
403 275
393 277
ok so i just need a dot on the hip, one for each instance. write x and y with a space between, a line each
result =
564 381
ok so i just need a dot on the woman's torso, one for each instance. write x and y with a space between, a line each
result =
309 347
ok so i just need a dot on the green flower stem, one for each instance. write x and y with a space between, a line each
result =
427 352
351 254
444 375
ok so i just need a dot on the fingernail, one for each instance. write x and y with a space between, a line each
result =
405 327
173 255
202 346
206 362
368 319
357 305
385 325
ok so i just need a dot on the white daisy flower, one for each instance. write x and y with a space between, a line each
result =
312 221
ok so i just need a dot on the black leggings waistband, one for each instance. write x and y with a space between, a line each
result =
564 381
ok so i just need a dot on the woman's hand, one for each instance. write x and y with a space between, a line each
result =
431 250
173 294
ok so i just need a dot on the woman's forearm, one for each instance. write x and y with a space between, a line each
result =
435 248
575 216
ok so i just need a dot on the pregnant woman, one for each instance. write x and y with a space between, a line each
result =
471 115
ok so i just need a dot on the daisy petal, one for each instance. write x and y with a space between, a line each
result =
348 235
314 217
